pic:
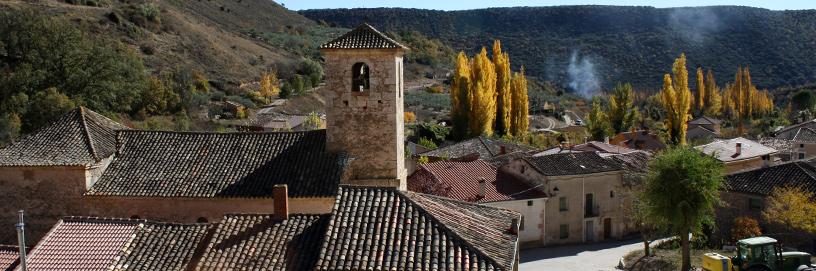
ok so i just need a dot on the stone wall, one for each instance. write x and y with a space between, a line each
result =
45 193
367 125
189 210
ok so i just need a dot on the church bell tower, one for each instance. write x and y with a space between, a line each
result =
364 100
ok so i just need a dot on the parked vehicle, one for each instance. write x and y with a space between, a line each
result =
758 254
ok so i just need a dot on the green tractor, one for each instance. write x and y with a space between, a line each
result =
759 254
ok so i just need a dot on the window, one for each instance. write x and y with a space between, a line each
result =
801 145
755 204
801 155
529 203
359 77
611 193
562 204
563 231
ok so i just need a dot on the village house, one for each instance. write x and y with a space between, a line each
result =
795 142
708 123
745 193
588 198
739 154
479 182
411 231
638 140
47 171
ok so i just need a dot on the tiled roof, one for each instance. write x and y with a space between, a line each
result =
82 243
79 137
572 164
387 229
597 146
791 131
781 145
9 256
639 140
259 242
705 120
460 181
501 160
556 150
634 164
363 37
485 147
184 164
805 135
762 181
726 150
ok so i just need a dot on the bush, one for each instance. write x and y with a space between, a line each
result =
745 227
427 143
433 131
423 160
410 117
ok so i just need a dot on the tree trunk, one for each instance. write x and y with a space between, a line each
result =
646 248
684 246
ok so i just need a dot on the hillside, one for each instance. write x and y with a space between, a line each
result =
610 43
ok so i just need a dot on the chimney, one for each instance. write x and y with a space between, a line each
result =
21 240
482 187
738 151
502 150
280 197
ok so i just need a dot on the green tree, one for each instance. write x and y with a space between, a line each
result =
682 188
622 112
597 121
10 125
285 91
298 85
46 106
803 99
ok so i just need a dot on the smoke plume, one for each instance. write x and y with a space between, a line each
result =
582 77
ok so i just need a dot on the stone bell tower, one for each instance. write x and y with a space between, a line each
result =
364 99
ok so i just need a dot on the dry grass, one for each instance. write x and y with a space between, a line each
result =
665 259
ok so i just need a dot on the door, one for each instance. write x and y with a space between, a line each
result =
589 231
588 206
607 228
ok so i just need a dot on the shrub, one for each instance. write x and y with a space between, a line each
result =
410 117
423 160
427 143
745 227
436 132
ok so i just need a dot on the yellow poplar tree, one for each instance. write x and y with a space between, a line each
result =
701 92
460 95
713 104
270 85
676 100
503 99
792 207
520 107
483 90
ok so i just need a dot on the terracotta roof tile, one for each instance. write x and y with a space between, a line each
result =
762 181
387 229
79 137
84 243
9 256
363 37
572 164
460 181
259 242
186 164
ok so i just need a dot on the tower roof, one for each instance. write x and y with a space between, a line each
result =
363 37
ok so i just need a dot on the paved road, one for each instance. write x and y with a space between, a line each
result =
586 257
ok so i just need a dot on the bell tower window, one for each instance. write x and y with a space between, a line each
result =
359 77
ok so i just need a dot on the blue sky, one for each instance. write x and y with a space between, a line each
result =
474 4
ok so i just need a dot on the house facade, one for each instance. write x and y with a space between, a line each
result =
479 182
587 197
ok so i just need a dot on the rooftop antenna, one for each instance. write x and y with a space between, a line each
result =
21 240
